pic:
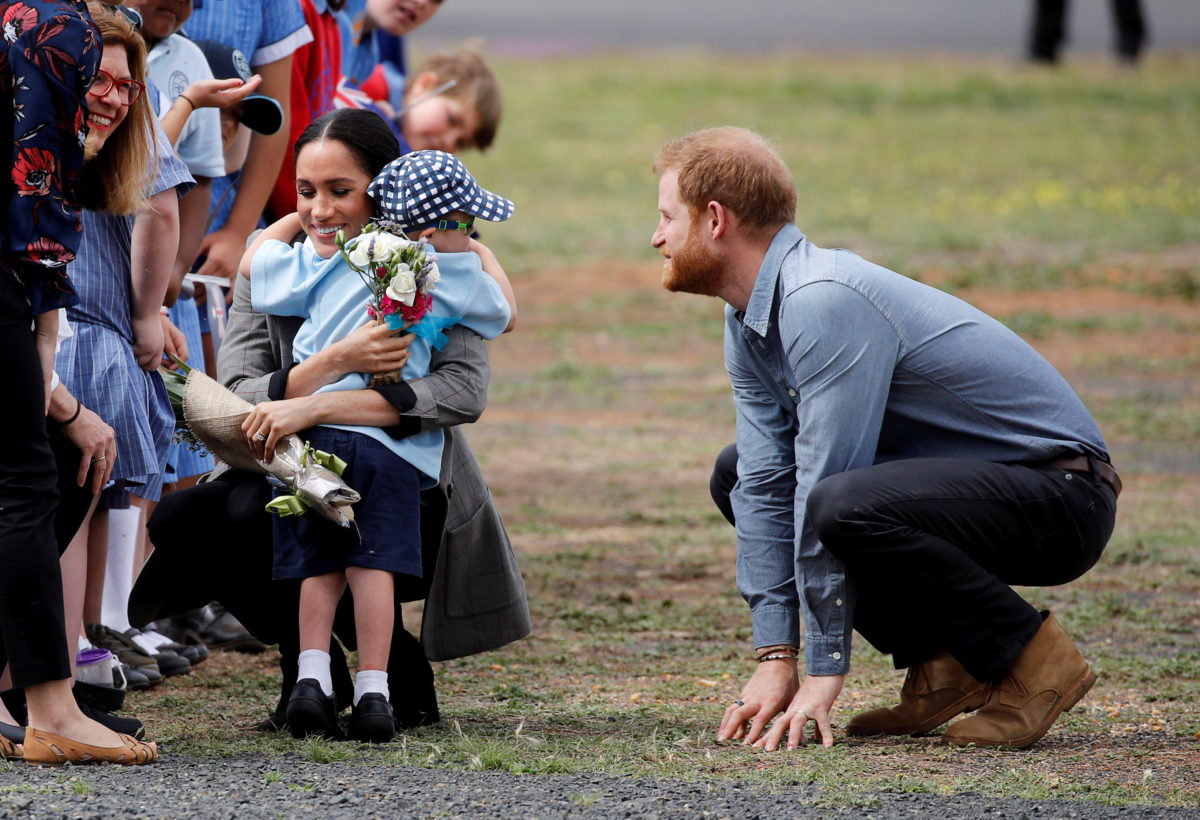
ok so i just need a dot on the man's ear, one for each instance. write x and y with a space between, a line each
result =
716 220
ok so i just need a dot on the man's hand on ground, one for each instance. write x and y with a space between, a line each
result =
772 686
812 701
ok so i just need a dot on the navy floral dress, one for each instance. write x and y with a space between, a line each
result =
49 55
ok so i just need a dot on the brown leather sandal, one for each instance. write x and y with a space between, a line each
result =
43 748
9 750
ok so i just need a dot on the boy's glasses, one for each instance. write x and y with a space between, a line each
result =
127 90
454 225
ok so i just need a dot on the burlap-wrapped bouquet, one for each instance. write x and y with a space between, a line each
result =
214 416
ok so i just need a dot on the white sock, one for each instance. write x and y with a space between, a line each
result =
315 664
370 680
145 643
155 639
124 528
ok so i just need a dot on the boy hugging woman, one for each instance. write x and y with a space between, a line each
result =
429 196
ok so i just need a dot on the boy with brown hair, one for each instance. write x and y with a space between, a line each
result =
451 103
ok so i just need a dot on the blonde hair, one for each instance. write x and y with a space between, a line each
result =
475 85
116 180
735 167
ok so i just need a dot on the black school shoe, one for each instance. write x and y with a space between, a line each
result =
371 719
311 712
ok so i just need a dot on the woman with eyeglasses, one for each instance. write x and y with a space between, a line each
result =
49 56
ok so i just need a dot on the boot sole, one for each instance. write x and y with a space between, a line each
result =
1073 696
968 703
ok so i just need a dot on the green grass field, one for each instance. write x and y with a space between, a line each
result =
1067 203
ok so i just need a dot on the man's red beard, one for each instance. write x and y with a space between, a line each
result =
694 268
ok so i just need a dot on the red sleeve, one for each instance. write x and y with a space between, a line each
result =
376 86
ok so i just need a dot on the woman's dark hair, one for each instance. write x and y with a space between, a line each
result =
364 133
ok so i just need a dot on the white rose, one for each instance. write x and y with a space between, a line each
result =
433 276
359 257
403 287
388 246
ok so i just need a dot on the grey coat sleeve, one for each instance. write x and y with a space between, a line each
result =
251 351
455 391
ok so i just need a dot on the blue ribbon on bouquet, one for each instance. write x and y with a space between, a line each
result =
429 328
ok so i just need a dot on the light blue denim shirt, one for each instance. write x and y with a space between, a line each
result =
838 363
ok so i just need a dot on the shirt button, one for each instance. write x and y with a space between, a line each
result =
838 602
791 392
837 656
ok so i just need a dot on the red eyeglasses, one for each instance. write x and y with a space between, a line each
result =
127 90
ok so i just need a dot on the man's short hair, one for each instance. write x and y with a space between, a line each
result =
735 167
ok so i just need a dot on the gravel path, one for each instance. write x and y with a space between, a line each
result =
292 787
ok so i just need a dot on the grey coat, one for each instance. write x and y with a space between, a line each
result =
477 598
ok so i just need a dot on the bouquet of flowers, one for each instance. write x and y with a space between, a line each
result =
399 273
207 412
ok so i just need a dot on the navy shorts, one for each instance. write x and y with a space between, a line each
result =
387 532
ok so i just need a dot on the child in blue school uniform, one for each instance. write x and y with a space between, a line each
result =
430 195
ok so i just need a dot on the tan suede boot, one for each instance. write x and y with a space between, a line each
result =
933 692
1047 678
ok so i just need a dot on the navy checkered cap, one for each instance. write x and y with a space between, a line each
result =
418 189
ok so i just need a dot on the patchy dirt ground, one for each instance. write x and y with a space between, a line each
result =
606 410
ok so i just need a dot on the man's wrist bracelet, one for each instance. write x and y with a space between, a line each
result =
780 656
188 99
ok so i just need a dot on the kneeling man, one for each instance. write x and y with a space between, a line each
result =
902 459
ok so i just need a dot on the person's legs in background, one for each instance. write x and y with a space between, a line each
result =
1130 25
1048 31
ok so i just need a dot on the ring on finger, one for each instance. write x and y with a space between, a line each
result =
260 437
740 702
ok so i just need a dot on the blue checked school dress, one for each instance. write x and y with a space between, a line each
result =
97 364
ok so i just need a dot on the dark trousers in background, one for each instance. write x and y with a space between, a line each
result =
213 542
1049 30
32 630
933 546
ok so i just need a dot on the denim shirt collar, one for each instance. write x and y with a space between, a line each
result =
757 316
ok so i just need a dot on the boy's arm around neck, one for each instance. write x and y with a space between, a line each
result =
491 266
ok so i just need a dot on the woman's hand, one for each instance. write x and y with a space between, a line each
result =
272 420
97 446
373 348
